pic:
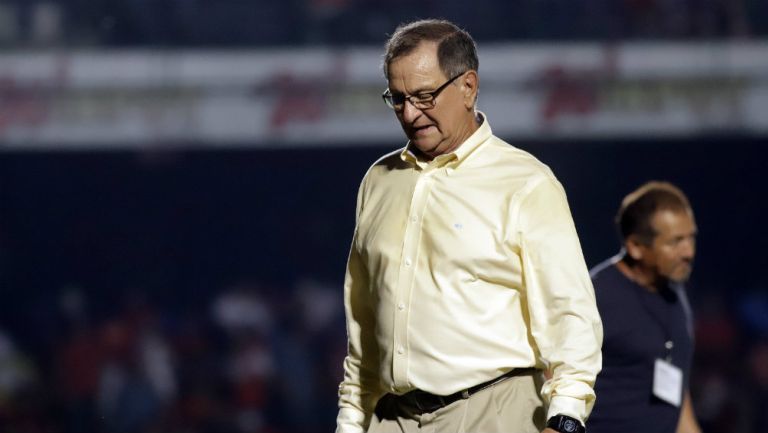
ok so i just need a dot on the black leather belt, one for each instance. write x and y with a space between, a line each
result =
425 402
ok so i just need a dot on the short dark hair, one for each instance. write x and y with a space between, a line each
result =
639 206
456 50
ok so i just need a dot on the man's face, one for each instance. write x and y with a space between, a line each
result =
442 128
670 254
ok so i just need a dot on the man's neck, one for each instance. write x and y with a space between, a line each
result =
472 125
639 276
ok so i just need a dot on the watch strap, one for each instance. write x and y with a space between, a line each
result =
565 424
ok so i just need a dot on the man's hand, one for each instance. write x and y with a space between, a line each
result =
548 430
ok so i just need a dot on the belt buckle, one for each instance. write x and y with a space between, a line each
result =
424 402
432 403
417 403
428 403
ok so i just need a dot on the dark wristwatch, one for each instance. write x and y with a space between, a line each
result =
565 424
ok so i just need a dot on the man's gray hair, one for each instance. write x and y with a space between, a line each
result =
456 50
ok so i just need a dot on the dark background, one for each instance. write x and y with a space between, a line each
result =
199 291
202 219
171 231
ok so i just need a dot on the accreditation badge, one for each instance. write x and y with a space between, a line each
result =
668 382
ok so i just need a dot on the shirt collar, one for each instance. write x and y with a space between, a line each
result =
461 153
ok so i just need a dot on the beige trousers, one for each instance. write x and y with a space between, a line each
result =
511 406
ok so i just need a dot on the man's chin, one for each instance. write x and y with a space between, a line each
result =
427 147
681 277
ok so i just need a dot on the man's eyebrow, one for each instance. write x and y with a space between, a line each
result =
424 89
421 89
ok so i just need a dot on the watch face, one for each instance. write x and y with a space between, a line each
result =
569 426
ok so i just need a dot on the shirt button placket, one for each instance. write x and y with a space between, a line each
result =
406 279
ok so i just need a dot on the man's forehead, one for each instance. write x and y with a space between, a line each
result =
670 222
419 67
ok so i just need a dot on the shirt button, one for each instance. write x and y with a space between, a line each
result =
401 306
401 350
407 262
413 218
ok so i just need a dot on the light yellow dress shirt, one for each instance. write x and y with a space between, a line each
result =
462 268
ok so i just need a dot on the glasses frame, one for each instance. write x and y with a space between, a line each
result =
388 97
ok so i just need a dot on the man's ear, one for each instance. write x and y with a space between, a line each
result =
469 86
635 247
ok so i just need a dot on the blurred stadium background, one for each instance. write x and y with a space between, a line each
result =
178 178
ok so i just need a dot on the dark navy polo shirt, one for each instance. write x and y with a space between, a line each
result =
636 325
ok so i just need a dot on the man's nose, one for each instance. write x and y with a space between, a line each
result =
410 112
688 249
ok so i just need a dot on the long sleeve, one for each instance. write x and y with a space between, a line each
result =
360 389
564 320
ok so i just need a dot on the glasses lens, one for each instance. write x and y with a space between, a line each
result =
423 101
397 100
391 100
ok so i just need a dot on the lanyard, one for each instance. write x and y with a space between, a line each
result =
669 344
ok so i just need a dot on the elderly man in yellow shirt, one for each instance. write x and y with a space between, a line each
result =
465 280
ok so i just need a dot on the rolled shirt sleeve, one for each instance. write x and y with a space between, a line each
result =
564 320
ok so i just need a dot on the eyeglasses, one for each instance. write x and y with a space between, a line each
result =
422 101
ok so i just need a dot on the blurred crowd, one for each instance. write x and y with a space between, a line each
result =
729 384
255 360
259 23
260 359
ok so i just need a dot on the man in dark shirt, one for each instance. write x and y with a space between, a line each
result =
648 343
